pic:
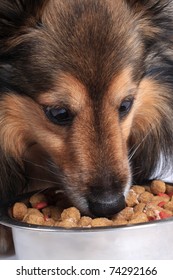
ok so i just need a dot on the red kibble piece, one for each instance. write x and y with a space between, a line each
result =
161 204
164 215
41 205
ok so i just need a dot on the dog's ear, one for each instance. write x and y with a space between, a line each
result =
16 13
155 17
21 8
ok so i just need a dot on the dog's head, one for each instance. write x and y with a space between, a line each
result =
74 101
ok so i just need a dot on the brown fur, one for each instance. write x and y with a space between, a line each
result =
91 57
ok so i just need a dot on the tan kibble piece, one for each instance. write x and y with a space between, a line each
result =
120 222
33 219
168 206
117 217
157 187
126 213
147 189
34 211
71 213
140 218
139 207
67 223
101 222
49 222
85 222
131 199
137 215
145 197
138 189
37 198
19 210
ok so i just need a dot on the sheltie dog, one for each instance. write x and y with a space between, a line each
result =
86 98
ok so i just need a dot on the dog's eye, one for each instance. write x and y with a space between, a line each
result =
59 115
125 106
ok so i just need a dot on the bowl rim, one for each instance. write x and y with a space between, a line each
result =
8 221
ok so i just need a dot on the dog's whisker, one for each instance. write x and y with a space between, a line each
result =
40 166
138 146
137 173
45 181
53 166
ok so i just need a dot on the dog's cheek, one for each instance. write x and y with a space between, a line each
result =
22 123
27 136
14 122
150 106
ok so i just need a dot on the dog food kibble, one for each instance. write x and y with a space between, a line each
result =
145 197
138 189
19 210
139 207
120 222
143 204
131 199
68 223
101 222
34 219
71 213
139 218
126 214
85 222
158 186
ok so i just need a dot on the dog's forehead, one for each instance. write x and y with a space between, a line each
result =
91 40
73 93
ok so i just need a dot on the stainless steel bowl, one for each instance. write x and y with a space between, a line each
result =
153 240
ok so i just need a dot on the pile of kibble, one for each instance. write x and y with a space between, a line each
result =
143 204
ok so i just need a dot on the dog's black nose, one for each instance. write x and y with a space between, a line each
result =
107 205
